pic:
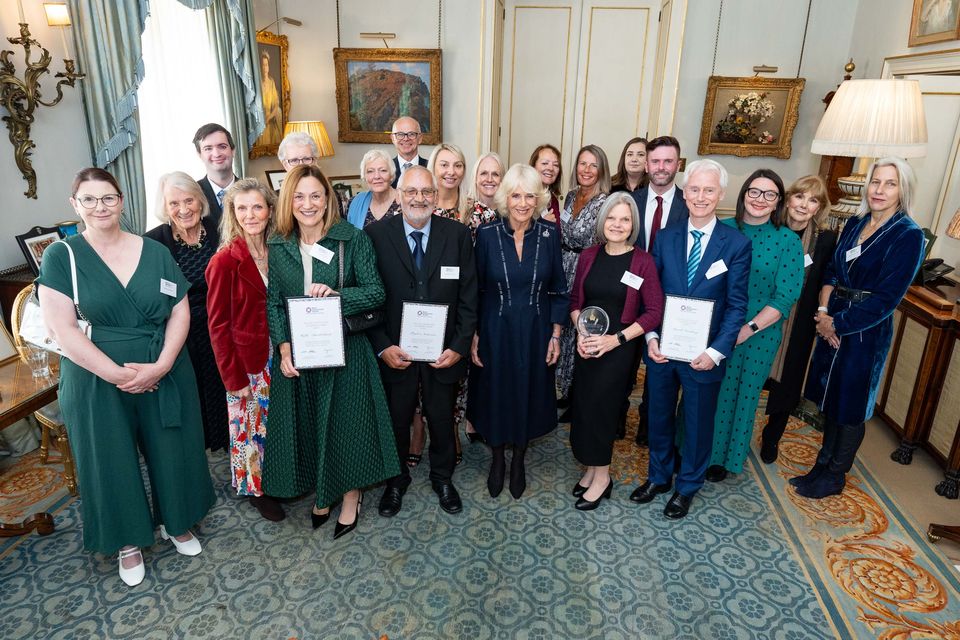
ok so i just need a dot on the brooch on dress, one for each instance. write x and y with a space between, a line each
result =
546 233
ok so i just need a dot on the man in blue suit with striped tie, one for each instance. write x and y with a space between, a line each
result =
699 259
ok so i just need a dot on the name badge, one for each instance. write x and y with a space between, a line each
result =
632 280
449 273
716 269
853 253
168 288
321 253
807 260
565 216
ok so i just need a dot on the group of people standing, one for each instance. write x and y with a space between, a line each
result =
514 269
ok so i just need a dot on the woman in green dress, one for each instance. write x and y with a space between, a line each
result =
129 388
330 429
776 276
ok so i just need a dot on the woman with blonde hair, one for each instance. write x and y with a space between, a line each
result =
449 166
330 429
481 206
808 205
875 261
237 320
523 304
192 237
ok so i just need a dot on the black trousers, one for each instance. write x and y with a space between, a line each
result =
439 400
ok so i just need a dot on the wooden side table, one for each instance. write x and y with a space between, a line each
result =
12 281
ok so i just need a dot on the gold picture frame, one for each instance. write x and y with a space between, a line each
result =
750 116
934 21
376 86
272 57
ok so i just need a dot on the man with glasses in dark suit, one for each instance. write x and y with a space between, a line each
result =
406 138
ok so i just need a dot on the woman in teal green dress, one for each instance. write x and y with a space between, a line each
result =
330 429
129 387
776 276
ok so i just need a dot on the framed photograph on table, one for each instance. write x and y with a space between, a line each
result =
275 179
750 116
274 92
34 242
377 86
934 21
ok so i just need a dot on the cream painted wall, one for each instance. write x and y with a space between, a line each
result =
59 133
313 86
755 32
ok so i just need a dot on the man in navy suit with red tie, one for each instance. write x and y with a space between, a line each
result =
660 204
707 260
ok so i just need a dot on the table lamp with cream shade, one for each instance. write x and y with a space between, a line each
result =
316 130
869 119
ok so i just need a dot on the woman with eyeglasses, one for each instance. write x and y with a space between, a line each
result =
381 201
776 276
128 387
330 429
192 237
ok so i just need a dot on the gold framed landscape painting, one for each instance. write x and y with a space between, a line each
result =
750 116
377 86
274 91
934 21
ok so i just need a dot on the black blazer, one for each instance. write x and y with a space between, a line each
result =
216 211
396 169
678 212
450 245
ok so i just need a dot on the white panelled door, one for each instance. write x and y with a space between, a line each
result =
576 73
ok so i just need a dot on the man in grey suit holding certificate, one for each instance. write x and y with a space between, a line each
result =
428 271
708 264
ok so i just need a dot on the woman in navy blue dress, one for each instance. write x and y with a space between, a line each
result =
523 306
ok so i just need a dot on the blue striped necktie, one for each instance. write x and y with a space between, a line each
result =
694 260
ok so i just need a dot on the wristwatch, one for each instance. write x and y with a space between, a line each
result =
753 325
622 339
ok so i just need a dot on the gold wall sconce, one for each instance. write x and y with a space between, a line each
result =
20 96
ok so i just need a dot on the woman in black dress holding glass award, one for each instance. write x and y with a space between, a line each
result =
616 298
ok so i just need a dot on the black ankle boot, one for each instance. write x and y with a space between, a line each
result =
497 470
772 433
518 472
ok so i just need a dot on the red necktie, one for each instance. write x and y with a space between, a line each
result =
657 220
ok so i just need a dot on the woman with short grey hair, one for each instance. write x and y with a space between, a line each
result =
380 200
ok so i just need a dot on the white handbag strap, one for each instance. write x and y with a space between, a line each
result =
73 276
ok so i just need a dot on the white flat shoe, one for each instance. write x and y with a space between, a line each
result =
189 548
134 575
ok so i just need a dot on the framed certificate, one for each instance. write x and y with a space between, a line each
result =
422 327
685 332
316 332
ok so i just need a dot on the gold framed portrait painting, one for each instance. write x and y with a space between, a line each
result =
934 21
377 86
274 92
750 116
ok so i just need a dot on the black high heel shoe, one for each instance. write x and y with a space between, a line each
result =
587 505
317 519
579 490
343 529
518 472
498 468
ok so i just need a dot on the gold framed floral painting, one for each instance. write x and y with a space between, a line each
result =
750 116
274 92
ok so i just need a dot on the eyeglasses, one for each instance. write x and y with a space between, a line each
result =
406 135
90 202
429 192
305 160
769 196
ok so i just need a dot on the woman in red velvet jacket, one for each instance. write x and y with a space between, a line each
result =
237 319
621 279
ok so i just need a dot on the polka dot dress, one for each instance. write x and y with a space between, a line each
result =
776 276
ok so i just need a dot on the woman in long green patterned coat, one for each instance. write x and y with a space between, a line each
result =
330 428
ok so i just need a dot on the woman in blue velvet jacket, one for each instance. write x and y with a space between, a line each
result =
875 260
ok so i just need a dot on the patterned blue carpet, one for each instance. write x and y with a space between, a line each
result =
533 568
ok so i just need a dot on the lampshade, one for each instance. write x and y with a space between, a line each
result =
872 119
57 15
316 130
